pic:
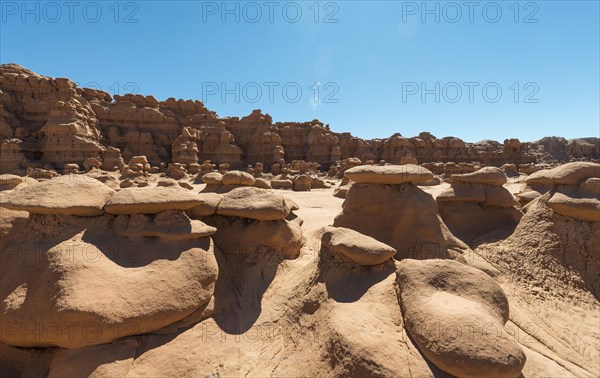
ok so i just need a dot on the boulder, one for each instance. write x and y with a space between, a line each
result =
151 200
168 182
497 196
576 206
65 195
341 191
238 178
262 183
213 178
254 203
456 316
527 196
355 246
566 174
487 176
388 174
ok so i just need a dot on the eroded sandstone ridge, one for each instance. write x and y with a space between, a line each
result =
49 122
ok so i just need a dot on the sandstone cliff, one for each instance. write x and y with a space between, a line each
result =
49 122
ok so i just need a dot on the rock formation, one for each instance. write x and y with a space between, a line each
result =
146 271
384 203
148 238
477 204
559 233
457 313
52 122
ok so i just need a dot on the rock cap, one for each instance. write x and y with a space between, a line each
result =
151 200
389 174
77 195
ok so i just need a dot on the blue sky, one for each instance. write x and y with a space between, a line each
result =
490 70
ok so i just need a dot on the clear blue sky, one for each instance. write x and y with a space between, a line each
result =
372 57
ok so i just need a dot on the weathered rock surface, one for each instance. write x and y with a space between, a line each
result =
65 195
209 206
52 121
456 316
82 284
389 174
167 225
254 203
355 246
402 216
151 200
242 236
566 174
486 176
477 204
238 178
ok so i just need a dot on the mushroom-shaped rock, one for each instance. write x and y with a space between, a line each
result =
487 176
566 174
388 174
238 178
213 178
91 286
456 316
402 216
477 206
151 200
361 249
65 195
254 203
209 207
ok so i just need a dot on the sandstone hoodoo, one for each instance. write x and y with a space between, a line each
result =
147 238
120 259
560 232
477 203
395 211
389 174
574 189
